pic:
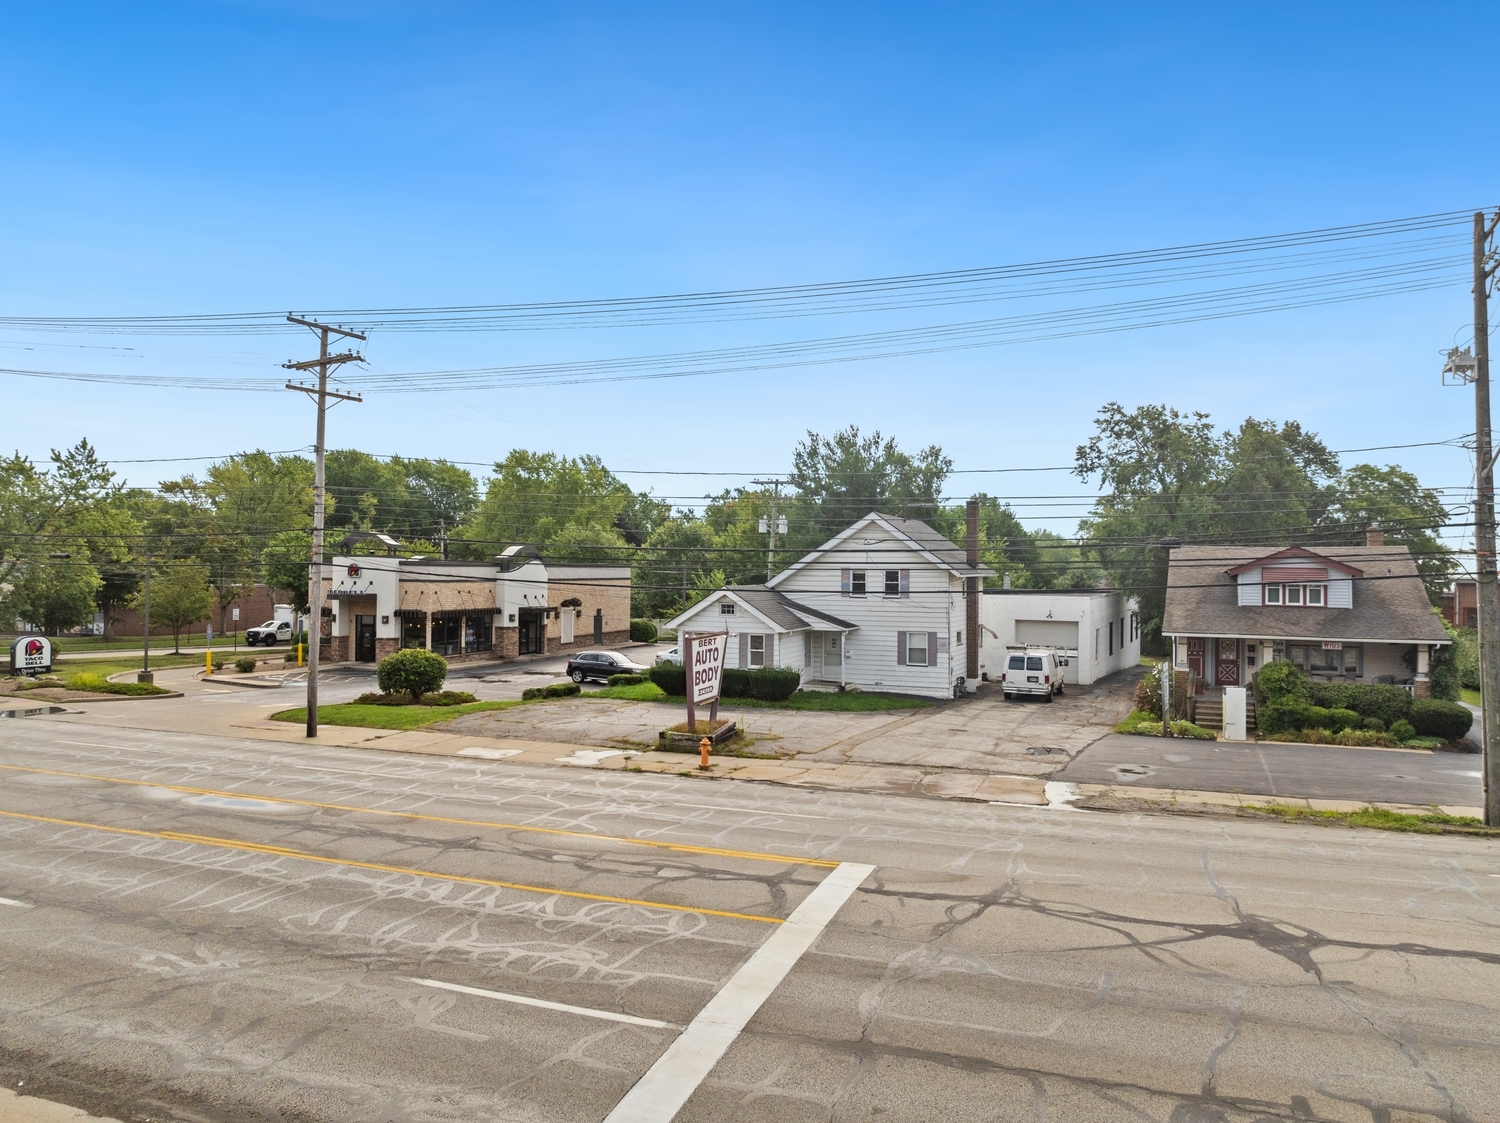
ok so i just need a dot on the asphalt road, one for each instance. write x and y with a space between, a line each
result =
216 929
1266 768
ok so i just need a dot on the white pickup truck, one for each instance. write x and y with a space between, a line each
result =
270 633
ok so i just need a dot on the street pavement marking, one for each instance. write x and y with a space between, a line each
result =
302 855
683 847
521 999
660 1094
17 904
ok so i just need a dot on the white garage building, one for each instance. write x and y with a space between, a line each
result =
1097 629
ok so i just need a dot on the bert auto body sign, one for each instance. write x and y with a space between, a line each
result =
705 666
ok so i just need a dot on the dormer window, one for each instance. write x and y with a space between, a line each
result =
726 608
1295 594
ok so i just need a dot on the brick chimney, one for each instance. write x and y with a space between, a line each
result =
1374 536
971 598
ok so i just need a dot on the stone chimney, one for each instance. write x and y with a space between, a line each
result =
1374 536
971 598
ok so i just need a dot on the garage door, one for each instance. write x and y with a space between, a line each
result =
1048 633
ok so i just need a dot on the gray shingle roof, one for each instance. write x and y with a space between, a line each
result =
936 544
1390 602
782 611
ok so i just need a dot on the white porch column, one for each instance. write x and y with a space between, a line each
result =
1422 662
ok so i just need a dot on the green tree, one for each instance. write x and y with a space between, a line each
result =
180 597
842 478
54 594
1410 514
285 564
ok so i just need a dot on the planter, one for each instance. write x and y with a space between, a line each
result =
678 740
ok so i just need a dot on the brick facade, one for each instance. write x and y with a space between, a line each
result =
256 606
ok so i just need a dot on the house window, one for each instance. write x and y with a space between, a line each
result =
857 583
726 608
1112 641
1313 596
893 582
1273 594
1292 594
916 649
757 650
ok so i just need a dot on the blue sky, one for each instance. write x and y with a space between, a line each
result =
177 158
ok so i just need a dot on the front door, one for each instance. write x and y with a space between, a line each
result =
364 639
529 639
1227 665
1196 660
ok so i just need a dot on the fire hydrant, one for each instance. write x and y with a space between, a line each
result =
703 747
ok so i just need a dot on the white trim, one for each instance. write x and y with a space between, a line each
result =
879 520
718 595
1258 636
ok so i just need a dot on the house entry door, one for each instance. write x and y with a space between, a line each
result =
364 639
1197 659
1227 665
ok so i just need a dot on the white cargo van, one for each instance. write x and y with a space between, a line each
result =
1032 670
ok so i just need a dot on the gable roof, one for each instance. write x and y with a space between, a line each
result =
1390 601
916 534
775 608
1292 552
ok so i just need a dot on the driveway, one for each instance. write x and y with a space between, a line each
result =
1266 768
980 733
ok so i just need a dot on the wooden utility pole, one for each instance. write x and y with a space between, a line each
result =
1484 522
320 394
773 523
145 675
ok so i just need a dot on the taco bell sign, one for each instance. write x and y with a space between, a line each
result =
31 655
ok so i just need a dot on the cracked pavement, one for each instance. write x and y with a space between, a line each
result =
1001 963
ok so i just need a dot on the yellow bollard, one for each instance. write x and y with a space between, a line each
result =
299 655
703 747
208 662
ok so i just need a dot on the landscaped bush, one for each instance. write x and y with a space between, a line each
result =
626 680
556 690
1287 716
1433 717
1148 693
245 664
671 677
1401 731
1388 703
1365 738
1373 724
1466 656
1340 720
1179 729
411 671
1280 682
404 698
642 631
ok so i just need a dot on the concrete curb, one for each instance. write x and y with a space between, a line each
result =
1166 799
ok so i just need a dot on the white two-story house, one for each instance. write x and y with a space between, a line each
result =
1341 613
879 606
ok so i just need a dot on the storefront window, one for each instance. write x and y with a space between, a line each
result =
479 633
446 635
414 631
1316 659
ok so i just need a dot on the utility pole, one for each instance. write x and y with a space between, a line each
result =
145 675
773 524
1475 367
320 394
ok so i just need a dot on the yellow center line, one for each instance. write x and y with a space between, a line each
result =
680 847
301 855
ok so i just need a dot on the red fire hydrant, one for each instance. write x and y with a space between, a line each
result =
703 747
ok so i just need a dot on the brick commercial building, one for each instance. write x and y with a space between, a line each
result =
512 605
255 602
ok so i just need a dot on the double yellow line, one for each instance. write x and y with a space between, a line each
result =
280 851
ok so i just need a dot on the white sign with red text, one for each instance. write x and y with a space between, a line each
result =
704 660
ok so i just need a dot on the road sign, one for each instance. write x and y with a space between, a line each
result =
31 655
704 660
234 614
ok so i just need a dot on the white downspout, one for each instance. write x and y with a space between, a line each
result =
843 657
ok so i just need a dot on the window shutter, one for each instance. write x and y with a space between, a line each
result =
844 582
900 649
932 649
906 582
770 649
744 650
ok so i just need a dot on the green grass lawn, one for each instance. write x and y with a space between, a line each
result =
811 700
1470 696
388 717
67 668
76 645
1434 822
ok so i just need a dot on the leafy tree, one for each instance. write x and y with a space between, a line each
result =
285 564
180 597
844 477
1392 499
671 565
411 671
55 593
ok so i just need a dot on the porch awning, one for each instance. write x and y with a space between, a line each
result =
438 598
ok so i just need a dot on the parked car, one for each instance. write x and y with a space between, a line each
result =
672 656
270 633
600 665
1033 671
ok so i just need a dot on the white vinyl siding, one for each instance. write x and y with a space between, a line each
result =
1340 592
1250 587
1048 633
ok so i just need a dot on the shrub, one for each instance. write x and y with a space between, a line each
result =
1373 724
87 680
1281 717
1179 729
1402 731
449 698
1466 656
1280 682
1388 703
1364 738
412 671
1433 717
671 677
1148 694
556 690
245 664
1339 720
768 684
626 680
642 631
373 699
1316 737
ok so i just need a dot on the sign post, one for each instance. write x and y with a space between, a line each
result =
703 665
234 614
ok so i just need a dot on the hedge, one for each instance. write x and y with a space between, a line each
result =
766 684
642 631
1291 716
412 671
1388 703
556 690
626 680
1433 717
1280 682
